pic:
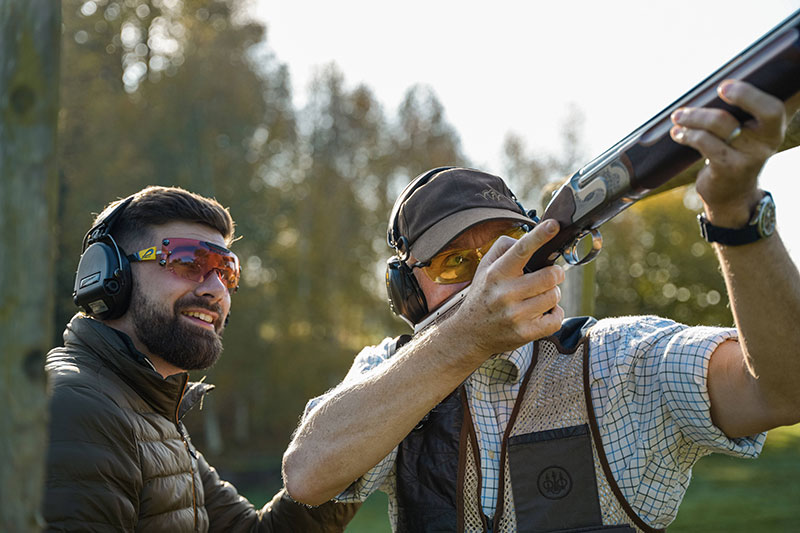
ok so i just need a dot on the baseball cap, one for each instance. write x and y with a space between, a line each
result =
447 204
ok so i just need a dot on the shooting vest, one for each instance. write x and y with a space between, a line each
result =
554 475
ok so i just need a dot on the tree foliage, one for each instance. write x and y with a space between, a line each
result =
534 175
655 262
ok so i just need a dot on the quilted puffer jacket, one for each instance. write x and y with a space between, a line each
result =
120 459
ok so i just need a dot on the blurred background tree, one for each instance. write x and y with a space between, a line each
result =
655 262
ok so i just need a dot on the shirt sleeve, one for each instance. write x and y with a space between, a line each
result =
648 380
378 476
653 373
685 387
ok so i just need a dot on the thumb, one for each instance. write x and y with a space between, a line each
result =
500 247
516 256
512 255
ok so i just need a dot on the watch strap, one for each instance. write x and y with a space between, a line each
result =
739 236
727 236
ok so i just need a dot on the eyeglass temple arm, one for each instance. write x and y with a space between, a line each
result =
148 254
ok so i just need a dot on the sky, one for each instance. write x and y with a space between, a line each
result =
505 66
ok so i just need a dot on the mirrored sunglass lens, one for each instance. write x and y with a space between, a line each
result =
195 262
226 267
187 264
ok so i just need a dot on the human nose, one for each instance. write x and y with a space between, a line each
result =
213 286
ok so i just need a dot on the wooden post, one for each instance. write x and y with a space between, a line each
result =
30 33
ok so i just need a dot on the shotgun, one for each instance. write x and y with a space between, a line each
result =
648 160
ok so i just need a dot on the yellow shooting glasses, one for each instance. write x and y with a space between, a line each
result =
458 266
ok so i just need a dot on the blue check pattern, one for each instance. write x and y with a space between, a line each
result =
650 396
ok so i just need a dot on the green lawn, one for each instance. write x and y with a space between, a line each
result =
372 517
726 495
735 495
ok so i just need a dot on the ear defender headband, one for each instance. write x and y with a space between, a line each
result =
103 280
406 298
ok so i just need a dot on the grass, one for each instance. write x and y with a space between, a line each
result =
372 517
736 495
726 494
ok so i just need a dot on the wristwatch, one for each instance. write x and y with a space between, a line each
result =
761 225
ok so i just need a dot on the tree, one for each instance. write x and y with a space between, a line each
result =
655 262
534 176
188 93
29 66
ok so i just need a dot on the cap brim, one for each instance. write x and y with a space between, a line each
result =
435 238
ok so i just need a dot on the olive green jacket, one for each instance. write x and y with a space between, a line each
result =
120 459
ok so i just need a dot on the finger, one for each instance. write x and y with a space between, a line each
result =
533 284
500 246
542 325
709 145
514 259
768 112
541 303
716 121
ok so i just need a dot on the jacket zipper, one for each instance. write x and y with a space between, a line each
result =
188 450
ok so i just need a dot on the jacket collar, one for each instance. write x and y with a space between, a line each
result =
171 397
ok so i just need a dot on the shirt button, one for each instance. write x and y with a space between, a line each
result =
478 395
491 454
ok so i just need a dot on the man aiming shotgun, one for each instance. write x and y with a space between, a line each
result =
503 416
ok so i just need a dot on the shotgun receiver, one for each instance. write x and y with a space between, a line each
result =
648 158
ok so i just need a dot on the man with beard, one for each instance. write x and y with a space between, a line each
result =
119 456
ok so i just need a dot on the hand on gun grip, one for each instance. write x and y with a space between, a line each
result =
507 307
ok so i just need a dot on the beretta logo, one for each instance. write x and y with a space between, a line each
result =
554 483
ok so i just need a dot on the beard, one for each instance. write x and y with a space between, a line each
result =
164 334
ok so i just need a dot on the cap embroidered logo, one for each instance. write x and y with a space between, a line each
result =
491 194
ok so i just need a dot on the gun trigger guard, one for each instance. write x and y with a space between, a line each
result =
571 255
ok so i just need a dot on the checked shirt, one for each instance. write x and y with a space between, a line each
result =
649 393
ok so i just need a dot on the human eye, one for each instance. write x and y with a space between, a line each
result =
456 259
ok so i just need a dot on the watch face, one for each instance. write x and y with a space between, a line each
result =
766 220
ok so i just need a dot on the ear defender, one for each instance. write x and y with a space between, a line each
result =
103 278
406 298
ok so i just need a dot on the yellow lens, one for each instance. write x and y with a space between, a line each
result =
453 267
516 232
457 266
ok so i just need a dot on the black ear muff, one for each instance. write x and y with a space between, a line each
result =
103 279
405 295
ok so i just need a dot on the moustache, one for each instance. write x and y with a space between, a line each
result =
199 302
